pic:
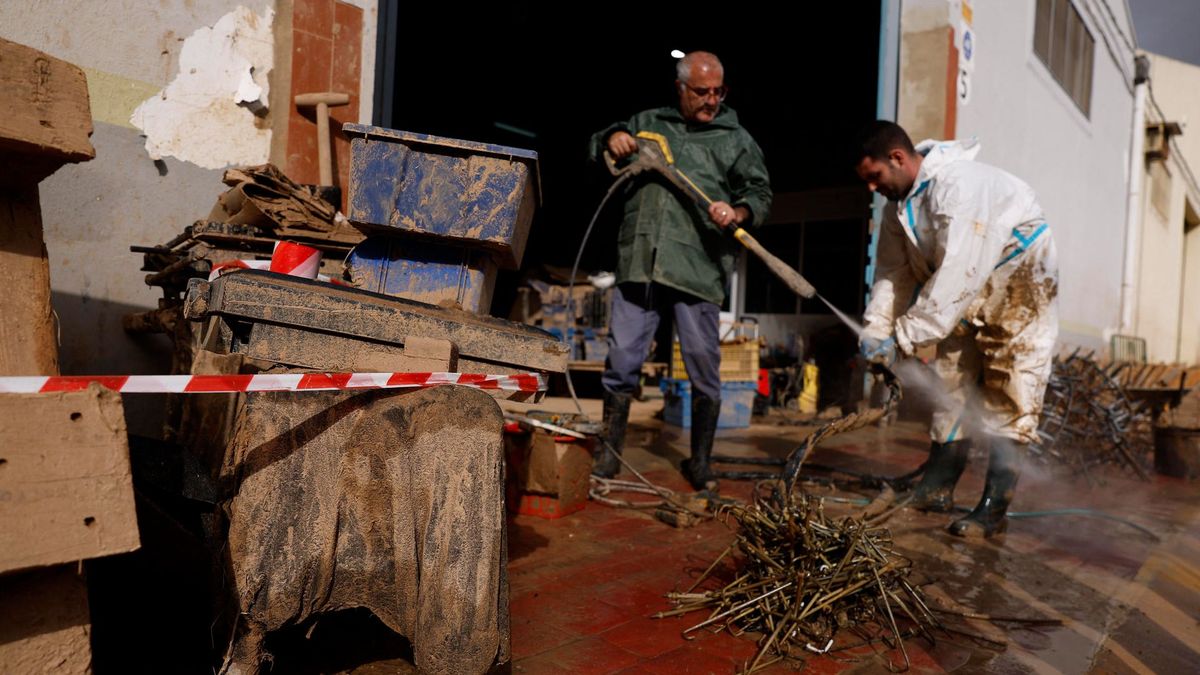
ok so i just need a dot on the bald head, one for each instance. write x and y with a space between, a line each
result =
701 85
698 62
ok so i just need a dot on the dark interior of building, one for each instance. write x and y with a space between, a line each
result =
544 76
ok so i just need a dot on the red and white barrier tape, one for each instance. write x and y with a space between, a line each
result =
295 259
223 384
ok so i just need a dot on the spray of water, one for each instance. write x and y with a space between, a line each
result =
920 379
850 323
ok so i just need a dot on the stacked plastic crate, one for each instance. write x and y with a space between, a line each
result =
739 381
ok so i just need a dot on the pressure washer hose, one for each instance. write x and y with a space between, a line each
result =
571 281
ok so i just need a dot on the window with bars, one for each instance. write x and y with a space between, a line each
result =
1062 41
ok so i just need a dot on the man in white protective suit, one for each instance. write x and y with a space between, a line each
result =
966 261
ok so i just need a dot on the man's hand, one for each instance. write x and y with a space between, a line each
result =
875 350
621 145
725 215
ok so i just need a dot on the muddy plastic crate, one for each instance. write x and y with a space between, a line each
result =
444 189
737 403
425 272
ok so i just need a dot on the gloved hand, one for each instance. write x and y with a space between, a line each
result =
875 350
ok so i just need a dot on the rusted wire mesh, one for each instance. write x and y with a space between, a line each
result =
1089 420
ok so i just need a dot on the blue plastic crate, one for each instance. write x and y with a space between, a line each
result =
737 403
423 271
595 348
473 193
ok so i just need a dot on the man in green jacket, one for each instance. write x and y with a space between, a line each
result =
674 258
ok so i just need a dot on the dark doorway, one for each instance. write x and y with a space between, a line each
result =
545 76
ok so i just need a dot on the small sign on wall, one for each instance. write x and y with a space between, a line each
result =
962 18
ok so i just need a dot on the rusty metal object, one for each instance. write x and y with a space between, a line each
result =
1089 420
855 420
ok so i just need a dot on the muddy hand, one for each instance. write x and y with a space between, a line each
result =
621 145
723 214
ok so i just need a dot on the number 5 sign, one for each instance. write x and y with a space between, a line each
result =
966 63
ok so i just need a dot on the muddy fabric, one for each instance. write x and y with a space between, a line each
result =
665 237
392 501
994 363
967 261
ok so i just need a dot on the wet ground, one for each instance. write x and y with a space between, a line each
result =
584 587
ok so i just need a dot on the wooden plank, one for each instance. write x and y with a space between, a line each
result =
1170 379
45 109
65 485
1135 379
1193 378
27 332
1156 377
308 349
1147 375
45 626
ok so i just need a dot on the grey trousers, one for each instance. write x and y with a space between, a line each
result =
636 312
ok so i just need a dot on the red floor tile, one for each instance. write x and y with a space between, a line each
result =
647 638
687 660
723 643
594 617
531 637
536 665
588 656
642 598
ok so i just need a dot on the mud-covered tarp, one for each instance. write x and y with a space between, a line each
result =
391 501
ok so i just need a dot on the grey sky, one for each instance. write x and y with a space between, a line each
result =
1168 27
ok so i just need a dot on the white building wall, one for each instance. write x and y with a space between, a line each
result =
1078 165
1167 314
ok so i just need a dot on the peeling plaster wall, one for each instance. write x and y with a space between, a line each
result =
221 86
131 50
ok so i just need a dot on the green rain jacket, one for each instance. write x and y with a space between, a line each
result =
664 236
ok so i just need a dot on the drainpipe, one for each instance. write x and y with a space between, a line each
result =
1133 208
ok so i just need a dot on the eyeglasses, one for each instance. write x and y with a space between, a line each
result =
704 92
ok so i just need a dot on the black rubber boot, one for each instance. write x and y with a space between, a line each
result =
945 466
616 419
696 469
990 515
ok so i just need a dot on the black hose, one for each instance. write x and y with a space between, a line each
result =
571 283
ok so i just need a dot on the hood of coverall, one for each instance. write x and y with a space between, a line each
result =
938 154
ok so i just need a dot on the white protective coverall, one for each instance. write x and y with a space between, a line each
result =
967 261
